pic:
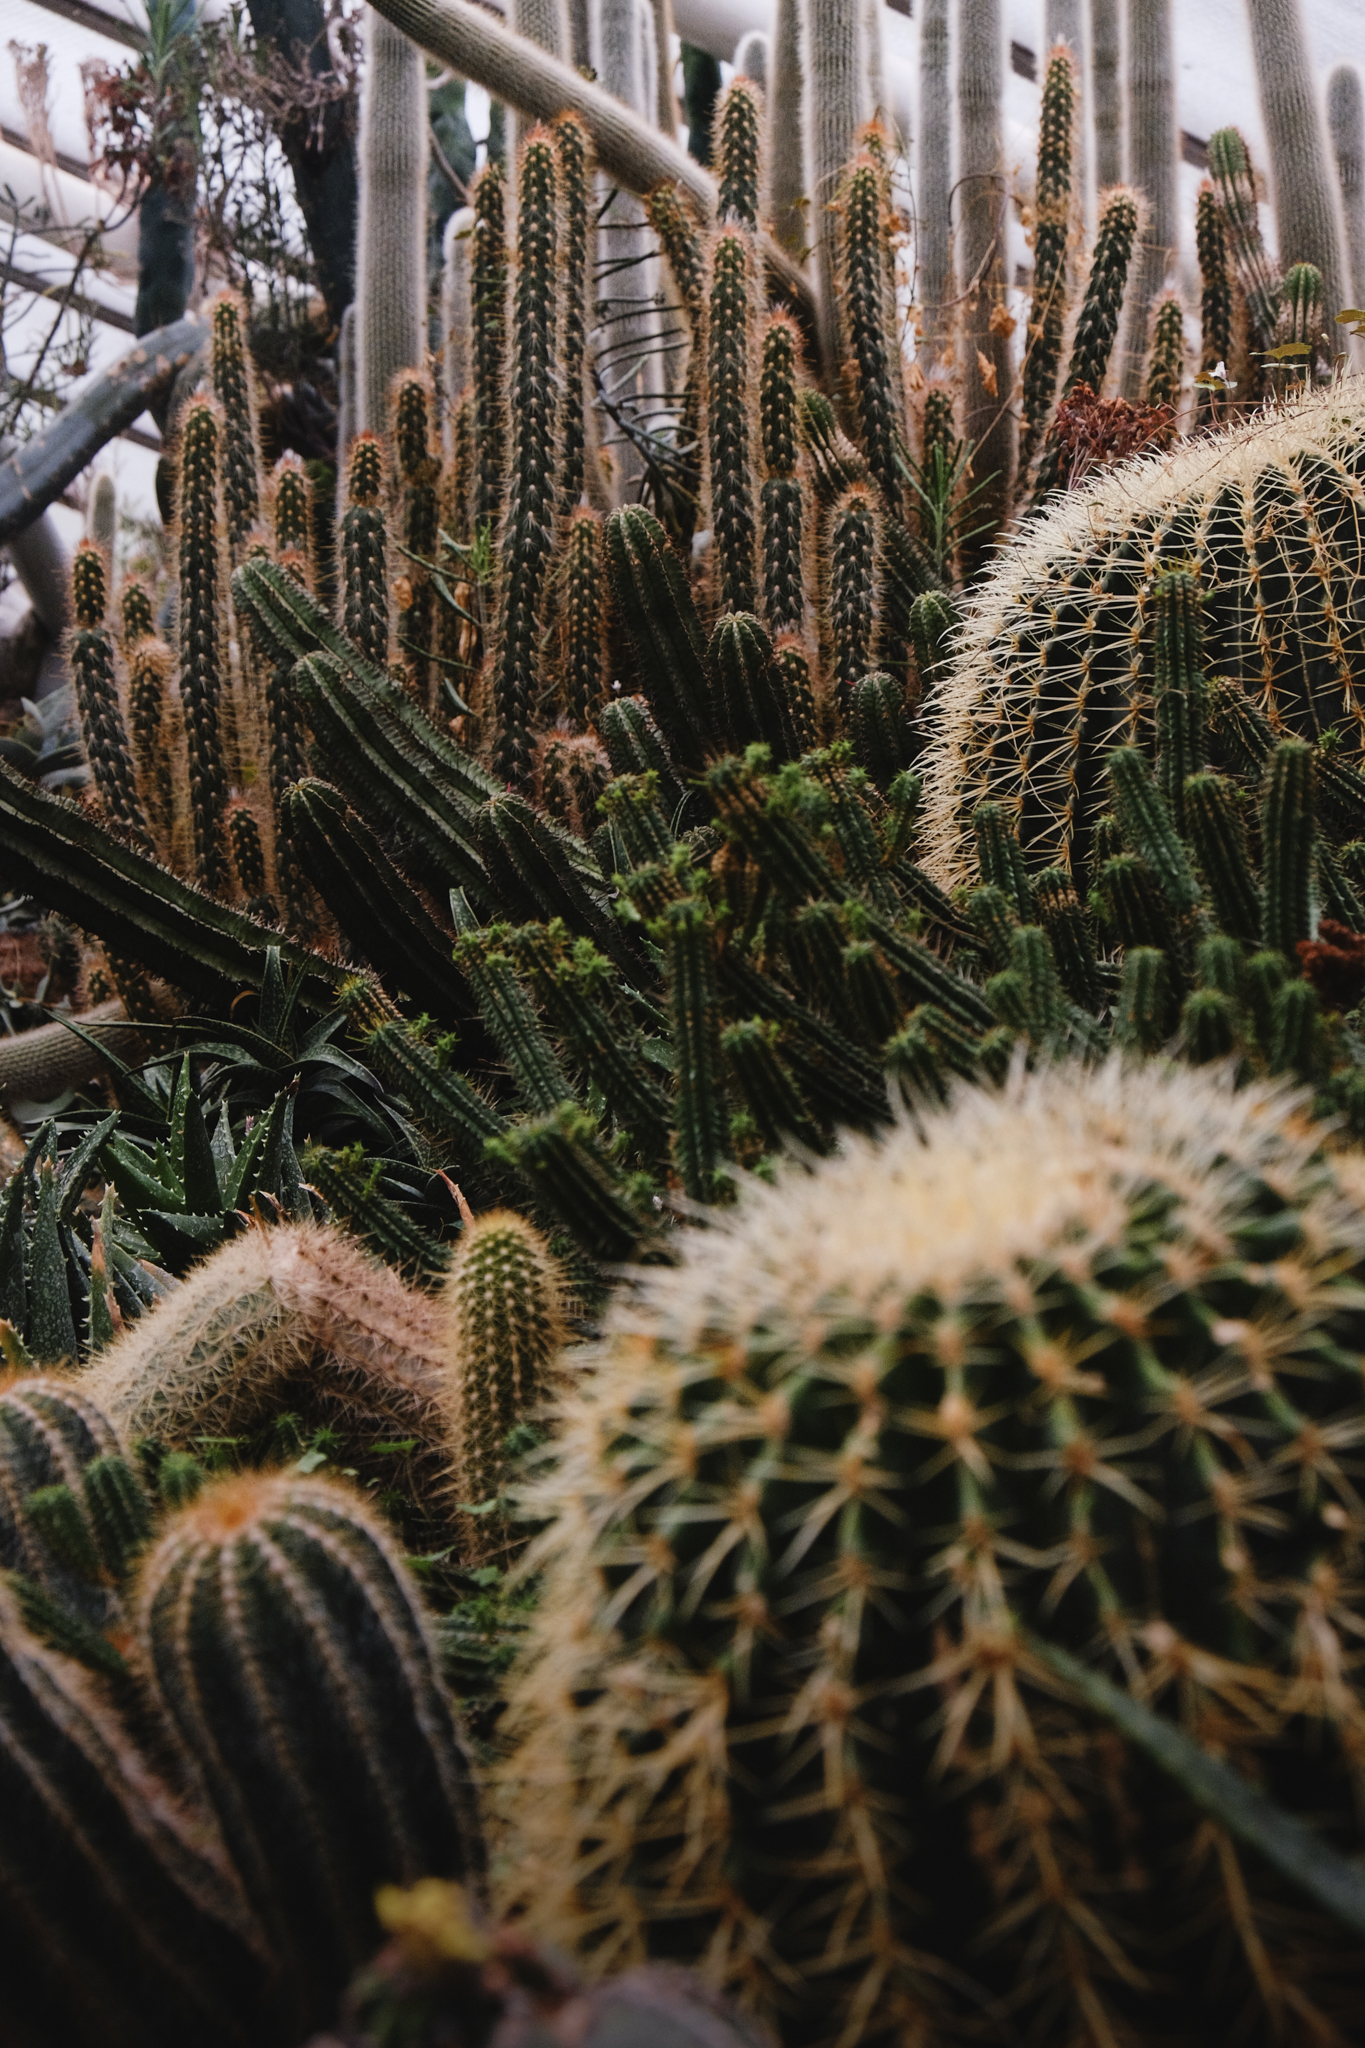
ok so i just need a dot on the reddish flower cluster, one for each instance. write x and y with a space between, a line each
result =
1334 963
1098 432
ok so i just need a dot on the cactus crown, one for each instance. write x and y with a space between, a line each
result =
739 153
412 400
89 586
365 470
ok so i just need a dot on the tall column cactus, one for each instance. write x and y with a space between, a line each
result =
1306 220
1064 22
868 330
1152 161
411 437
1051 231
235 388
786 552
785 88
935 289
203 634
457 318
1346 122
835 108
488 294
91 659
391 252
732 423
1230 169
532 403
363 548
1098 321
1215 303
573 159
1106 63
988 422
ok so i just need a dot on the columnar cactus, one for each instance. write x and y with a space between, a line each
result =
1215 305
235 388
1106 62
988 415
935 286
1346 124
835 106
853 597
723 1709
286 1651
583 621
733 286
363 548
91 657
412 438
1230 169
1035 695
786 535
391 238
488 301
503 1326
1153 144
867 324
1166 361
527 531
126 1923
1306 215
292 515
1052 209
785 86
203 633
457 317
49 1432
1098 322
573 162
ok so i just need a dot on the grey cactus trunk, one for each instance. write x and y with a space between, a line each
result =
1106 57
391 265
1306 220
1346 121
988 420
834 41
936 180
787 154
1152 161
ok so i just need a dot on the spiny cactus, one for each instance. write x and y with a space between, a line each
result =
573 164
1166 362
1031 1329
91 658
1306 214
126 1922
527 531
285 1649
1346 124
786 529
363 538
1098 322
502 1324
488 305
1215 306
853 595
1030 729
1052 209
1152 169
732 415
583 620
935 284
1230 170
867 324
391 236
203 634
740 152
291 514
235 388
49 1432
412 437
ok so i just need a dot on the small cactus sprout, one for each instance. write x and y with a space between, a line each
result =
503 1326
91 655
286 1650
1024 1371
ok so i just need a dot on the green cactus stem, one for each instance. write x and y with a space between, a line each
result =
574 171
1306 209
248 860
853 601
488 310
1098 323
868 325
732 416
235 389
785 532
1235 185
1166 361
203 635
1051 228
583 621
1287 830
1215 304
91 657
363 549
655 605
291 509
685 936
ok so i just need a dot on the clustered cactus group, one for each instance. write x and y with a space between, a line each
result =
884 1032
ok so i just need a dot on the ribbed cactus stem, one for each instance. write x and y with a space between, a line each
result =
1287 831
292 514
867 324
391 238
573 156
286 1649
155 726
90 654
783 499
741 169
733 289
1152 168
1346 125
248 860
203 634
685 937
488 293
235 389
935 286
835 107
1306 217
1301 316
527 531
583 620
1052 207
852 604
1230 169
1098 322
503 1326
1179 690
988 416
1215 302
1106 62
364 550
785 87
1166 362
412 436
136 614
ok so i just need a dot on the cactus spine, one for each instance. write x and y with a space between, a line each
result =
287 1652
203 635
1346 123
1051 228
411 434
528 524
291 515
1152 144
91 658
391 239
868 324
584 672
732 422
503 1325
573 160
1305 210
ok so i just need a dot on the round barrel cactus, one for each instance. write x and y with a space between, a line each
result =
1068 1368
1053 665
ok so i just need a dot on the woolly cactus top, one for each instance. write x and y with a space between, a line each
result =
1052 665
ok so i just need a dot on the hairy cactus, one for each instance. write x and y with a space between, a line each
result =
732 415
739 154
1346 124
936 178
868 326
503 1326
1023 1329
785 86
528 522
1052 208
988 415
286 1650
126 1926
91 657
203 634
488 304
1030 728
391 236
1306 213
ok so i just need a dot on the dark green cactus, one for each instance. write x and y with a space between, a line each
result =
1143 1013
287 1652
732 416
1063 919
1097 325
574 168
1214 824
880 728
753 704
561 1159
1166 363
488 312
656 606
1149 828
483 957
1051 230
583 670
417 467
203 636
785 564
1230 170
1287 833
527 532
685 936
870 340
351 1186
248 861
1215 303
235 389
752 1053
853 601
292 514
364 549
91 658
739 154
1179 692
